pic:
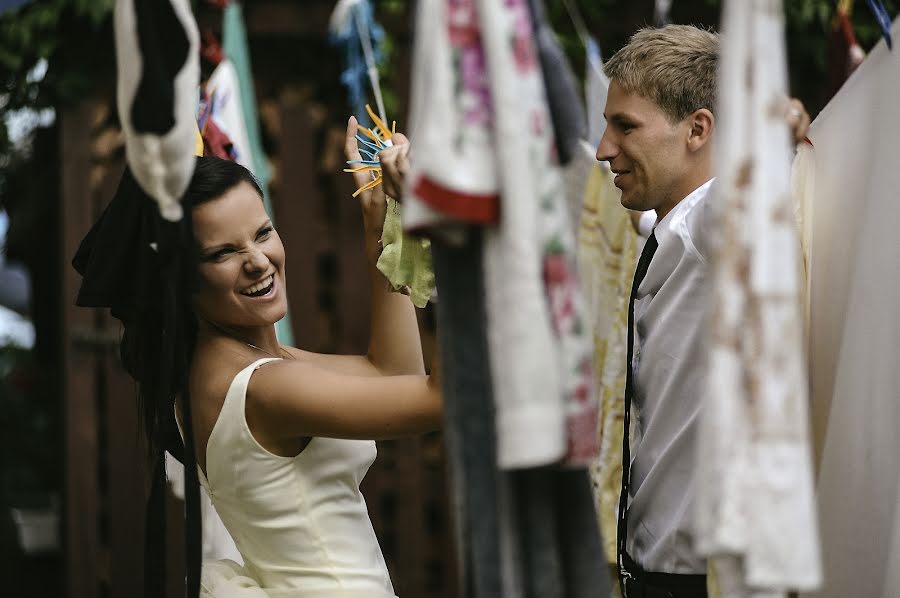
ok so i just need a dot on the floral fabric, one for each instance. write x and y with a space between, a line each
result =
484 153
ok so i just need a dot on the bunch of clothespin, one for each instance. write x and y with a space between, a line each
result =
370 142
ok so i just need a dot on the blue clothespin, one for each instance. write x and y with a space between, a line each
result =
884 20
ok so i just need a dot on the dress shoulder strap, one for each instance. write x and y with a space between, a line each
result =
236 397
230 429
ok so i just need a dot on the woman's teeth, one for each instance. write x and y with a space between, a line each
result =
258 287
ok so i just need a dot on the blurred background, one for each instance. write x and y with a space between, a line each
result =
72 472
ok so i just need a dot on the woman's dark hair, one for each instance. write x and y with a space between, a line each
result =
158 342
213 177
144 269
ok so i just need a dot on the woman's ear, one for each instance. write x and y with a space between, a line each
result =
702 122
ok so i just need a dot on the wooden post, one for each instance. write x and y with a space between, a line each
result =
297 203
351 296
409 526
79 369
125 455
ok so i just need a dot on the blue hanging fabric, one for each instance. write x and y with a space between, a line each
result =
353 28
884 20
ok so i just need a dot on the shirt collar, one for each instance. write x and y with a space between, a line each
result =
681 209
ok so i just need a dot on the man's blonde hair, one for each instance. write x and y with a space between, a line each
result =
673 66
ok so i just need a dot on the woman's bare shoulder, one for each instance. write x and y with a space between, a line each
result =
214 365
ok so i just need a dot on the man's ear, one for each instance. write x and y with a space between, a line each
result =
701 123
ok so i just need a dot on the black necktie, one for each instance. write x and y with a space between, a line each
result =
639 273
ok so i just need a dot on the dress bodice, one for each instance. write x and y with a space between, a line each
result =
300 523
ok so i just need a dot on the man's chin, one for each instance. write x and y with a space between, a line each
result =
628 201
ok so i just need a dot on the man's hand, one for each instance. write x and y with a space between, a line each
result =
797 119
395 165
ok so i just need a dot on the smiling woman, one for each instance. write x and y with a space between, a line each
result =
241 265
283 436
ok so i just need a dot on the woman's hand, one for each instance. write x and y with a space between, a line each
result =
373 201
394 166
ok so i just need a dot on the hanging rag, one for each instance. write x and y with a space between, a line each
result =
755 510
453 172
405 260
158 73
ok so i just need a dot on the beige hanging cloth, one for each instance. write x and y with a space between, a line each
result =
608 248
854 328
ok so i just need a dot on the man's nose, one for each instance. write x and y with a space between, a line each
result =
607 150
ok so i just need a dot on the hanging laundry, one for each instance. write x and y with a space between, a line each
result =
803 190
566 109
755 511
488 188
158 72
854 329
596 88
352 26
608 249
844 52
238 78
405 260
239 95
220 106
469 79
540 351
661 10
453 178
215 141
883 19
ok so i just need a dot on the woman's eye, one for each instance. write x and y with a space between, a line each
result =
218 255
264 232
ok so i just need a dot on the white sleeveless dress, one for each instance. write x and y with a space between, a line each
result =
300 523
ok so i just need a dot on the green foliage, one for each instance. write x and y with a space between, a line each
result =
62 32
73 38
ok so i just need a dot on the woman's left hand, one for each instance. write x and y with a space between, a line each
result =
373 201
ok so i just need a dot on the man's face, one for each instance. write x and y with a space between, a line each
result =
645 150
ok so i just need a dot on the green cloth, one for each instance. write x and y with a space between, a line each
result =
405 260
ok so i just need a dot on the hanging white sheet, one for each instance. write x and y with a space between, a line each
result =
855 330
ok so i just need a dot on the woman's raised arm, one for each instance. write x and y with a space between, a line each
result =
292 399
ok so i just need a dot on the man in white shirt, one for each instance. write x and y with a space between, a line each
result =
658 142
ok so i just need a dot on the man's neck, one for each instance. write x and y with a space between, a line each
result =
684 192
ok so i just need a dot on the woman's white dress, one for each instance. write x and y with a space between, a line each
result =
300 523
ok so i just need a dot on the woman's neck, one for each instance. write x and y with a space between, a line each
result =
259 337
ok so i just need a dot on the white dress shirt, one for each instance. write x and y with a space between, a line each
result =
669 381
